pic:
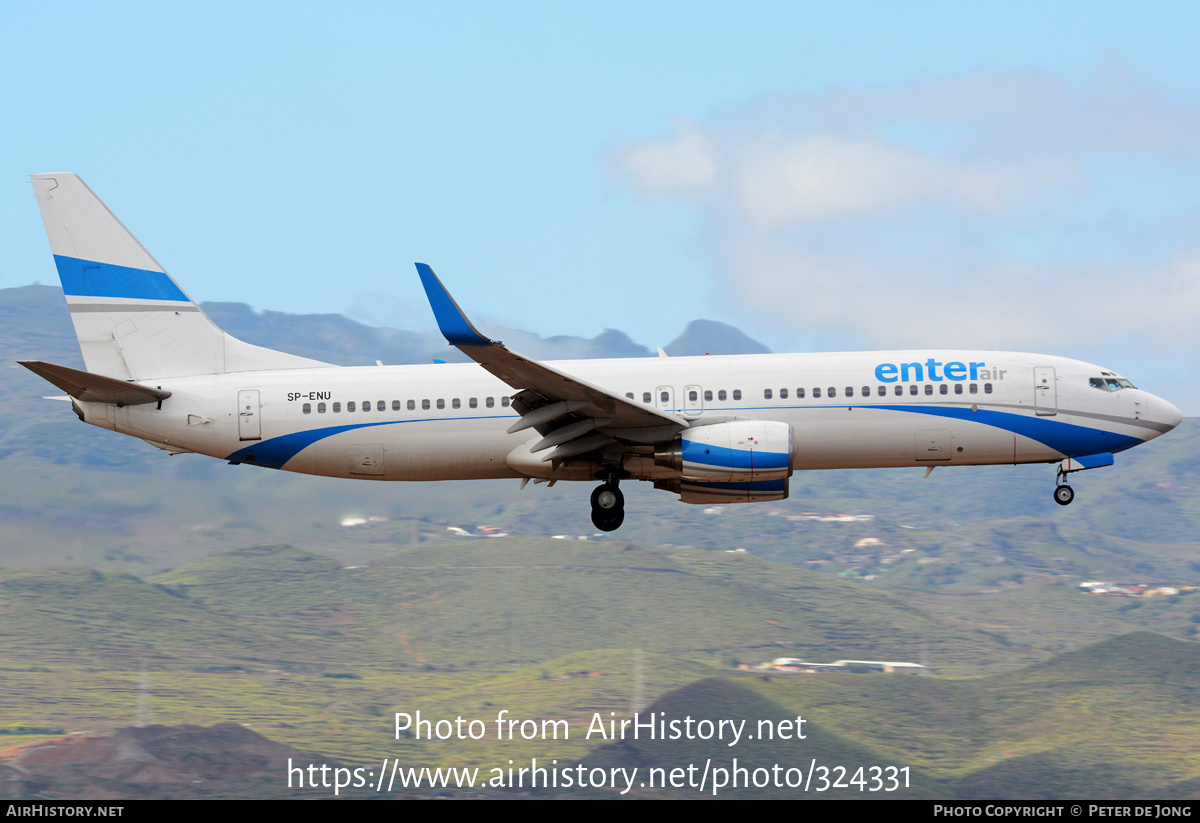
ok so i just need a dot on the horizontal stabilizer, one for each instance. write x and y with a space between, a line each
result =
94 387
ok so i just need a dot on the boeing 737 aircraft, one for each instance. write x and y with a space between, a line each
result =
728 429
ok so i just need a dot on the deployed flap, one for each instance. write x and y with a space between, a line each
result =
94 387
523 373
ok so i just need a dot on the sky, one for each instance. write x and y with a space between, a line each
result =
1023 176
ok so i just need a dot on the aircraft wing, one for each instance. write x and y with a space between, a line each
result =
575 416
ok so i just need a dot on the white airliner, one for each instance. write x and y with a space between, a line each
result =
728 429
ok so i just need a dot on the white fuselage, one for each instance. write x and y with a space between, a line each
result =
857 410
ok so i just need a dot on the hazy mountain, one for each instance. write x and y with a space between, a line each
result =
710 337
34 324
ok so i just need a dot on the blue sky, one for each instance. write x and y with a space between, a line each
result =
1024 176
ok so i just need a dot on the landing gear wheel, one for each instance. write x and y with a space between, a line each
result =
1063 495
608 507
608 520
607 497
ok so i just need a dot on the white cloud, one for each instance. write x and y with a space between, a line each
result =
977 211
810 179
681 164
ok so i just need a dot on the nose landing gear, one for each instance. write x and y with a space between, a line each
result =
608 506
1063 494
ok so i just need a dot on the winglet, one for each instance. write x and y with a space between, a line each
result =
455 326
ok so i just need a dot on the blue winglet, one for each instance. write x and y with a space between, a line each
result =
455 326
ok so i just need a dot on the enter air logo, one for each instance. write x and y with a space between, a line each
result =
935 371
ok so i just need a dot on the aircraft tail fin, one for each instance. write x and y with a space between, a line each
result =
132 320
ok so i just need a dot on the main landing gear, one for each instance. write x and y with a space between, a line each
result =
608 506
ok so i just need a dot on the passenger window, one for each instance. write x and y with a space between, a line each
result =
456 403
928 389
987 388
958 388
308 408
504 401
395 405
832 392
412 405
943 389
473 403
816 393
337 407
645 397
912 390
441 403
708 395
866 391
320 408
350 406
882 391
899 392
664 397
737 394
799 394
425 405
766 394
490 402
629 394
783 394
721 394
366 405
849 391
974 389
380 405
693 396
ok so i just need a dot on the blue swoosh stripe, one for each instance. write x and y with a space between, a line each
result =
273 453
89 278
1065 438
277 451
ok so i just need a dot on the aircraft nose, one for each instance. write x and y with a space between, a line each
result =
1163 412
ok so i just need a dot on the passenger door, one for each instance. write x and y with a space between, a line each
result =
249 417
1045 391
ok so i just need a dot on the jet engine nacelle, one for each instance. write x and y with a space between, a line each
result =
741 451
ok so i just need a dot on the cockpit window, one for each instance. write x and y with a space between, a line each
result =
1110 383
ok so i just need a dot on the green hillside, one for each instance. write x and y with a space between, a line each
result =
1125 707
319 656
